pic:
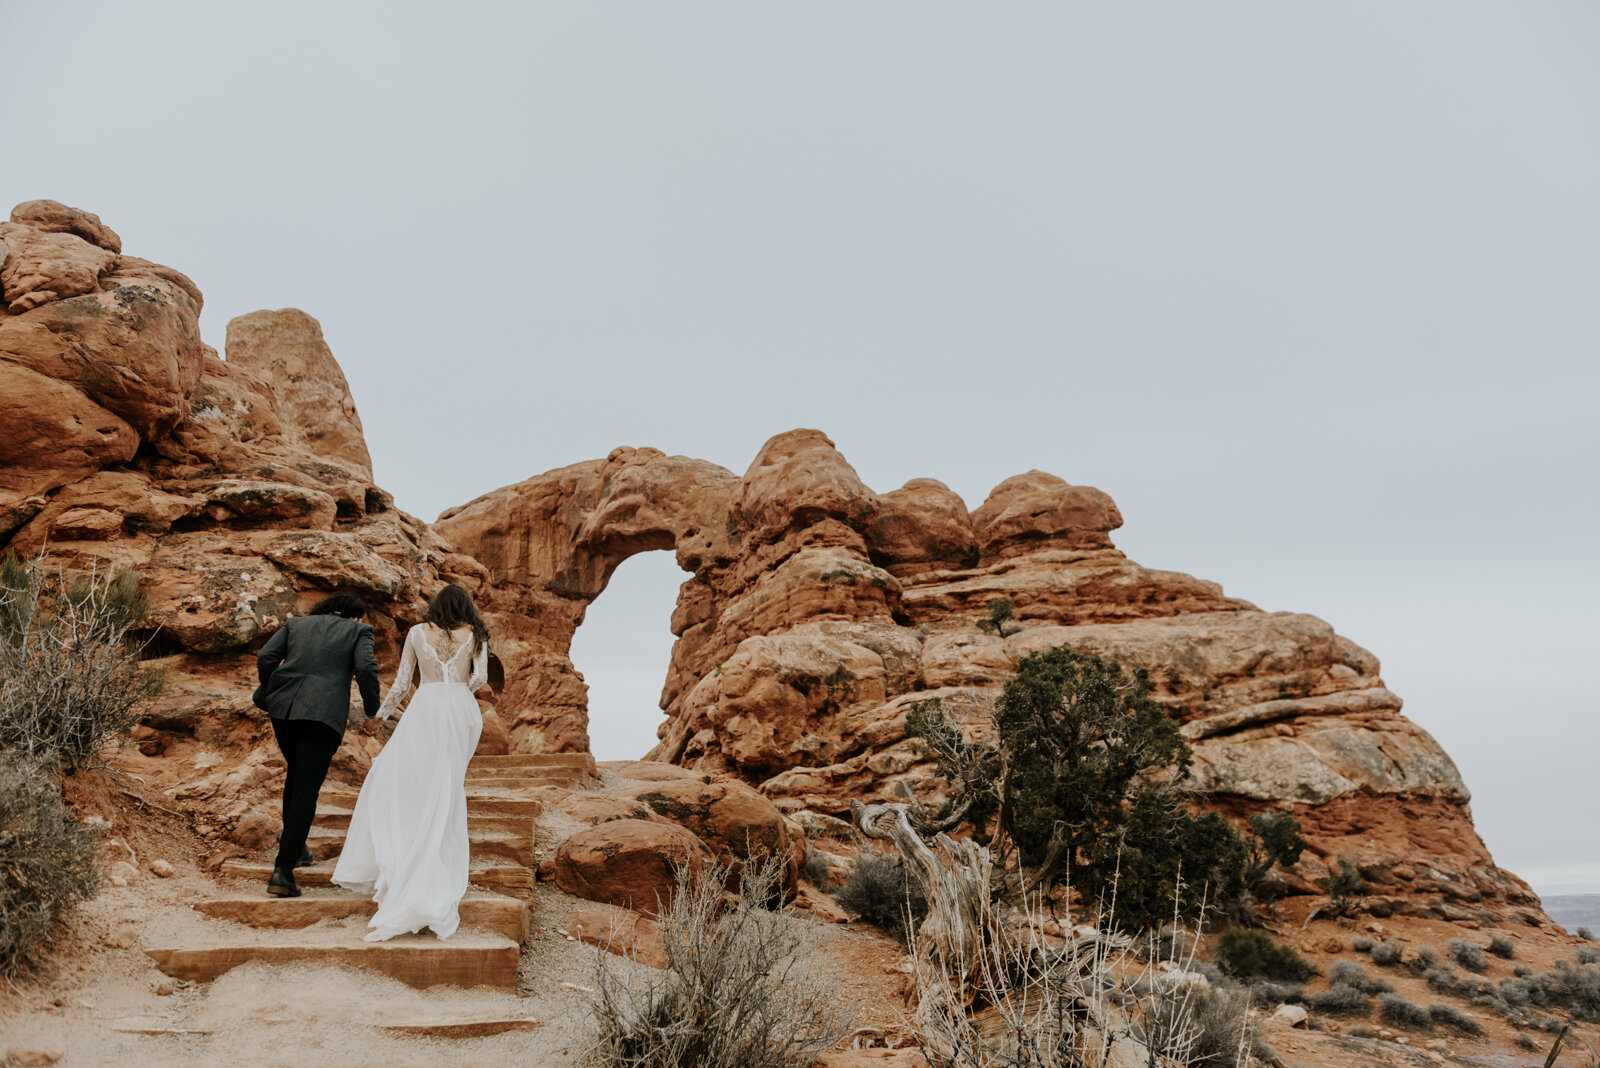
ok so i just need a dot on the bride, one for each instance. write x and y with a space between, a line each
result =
407 843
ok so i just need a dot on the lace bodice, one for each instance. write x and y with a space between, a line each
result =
437 657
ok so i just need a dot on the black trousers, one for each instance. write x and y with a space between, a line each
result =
308 748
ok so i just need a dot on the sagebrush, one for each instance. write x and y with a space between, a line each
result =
882 892
70 679
743 986
47 862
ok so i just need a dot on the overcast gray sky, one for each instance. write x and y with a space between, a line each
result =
1311 290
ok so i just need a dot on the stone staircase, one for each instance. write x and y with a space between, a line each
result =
326 924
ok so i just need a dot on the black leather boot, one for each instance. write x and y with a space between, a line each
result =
282 884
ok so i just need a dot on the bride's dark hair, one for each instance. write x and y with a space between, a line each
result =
452 607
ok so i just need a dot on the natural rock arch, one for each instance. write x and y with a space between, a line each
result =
551 545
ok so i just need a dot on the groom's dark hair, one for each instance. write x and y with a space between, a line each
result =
340 604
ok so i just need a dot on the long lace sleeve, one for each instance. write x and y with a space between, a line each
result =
480 668
402 678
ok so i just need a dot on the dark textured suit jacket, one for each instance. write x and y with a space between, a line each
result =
306 667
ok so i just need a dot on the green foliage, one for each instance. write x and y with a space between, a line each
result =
882 892
70 679
47 862
1082 783
975 772
1275 842
1079 735
1171 863
1247 953
1001 619
1344 886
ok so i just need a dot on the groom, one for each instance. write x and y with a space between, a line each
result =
305 671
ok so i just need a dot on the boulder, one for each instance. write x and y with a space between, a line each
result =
54 217
595 809
630 863
730 817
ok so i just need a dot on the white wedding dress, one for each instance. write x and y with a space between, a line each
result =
407 844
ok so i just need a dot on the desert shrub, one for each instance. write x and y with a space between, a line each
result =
815 868
1586 955
1439 979
1362 1031
1494 1003
47 862
1467 954
1502 947
1516 991
1425 959
70 680
1344 888
1248 953
1387 954
1521 971
1585 934
1582 992
1362 944
1002 618
1222 1027
1449 1016
1552 1025
1526 1041
1348 973
882 892
1394 1009
742 987
1267 993
1168 943
1341 1001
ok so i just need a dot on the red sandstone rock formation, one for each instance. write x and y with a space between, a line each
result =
241 490
814 612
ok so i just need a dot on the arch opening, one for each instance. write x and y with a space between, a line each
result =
622 649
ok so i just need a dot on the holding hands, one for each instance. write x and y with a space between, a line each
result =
371 727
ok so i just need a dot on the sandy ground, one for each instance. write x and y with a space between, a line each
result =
97 979
96 983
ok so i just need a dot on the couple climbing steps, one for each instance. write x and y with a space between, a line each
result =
407 842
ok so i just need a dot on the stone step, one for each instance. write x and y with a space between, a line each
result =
507 782
466 958
326 843
527 776
336 817
581 761
495 913
496 874
481 800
